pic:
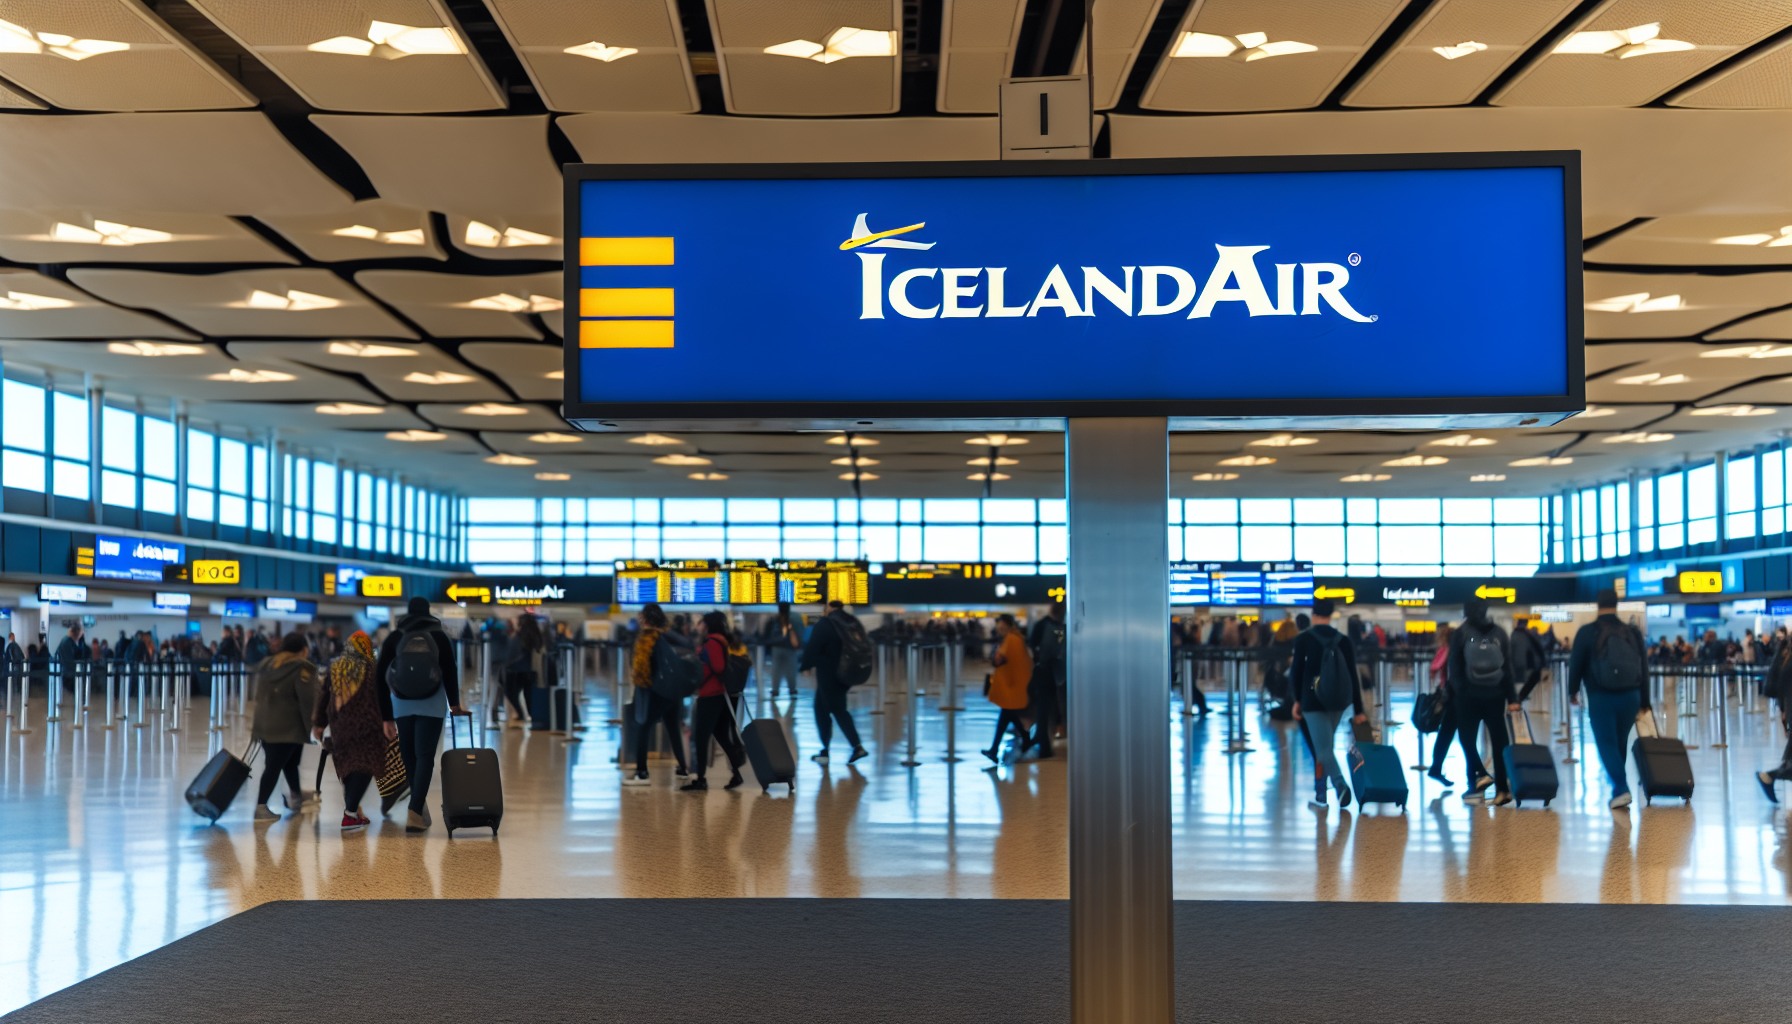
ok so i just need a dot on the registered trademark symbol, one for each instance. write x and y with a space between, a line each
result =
1356 259
1374 317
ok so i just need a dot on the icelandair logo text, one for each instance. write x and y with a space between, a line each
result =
1139 291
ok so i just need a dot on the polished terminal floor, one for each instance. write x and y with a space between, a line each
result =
101 861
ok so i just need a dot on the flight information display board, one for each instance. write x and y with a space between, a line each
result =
639 581
1241 584
751 582
940 571
1189 584
816 582
697 581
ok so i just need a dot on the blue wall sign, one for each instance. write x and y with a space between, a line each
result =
1381 285
132 558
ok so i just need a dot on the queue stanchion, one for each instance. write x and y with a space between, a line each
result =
78 702
53 692
914 703
577 657
1723 713
111 688
570 734
1185 668
883 651
10 711
759 681
22 722
1235 685
949 678
177 685
616 690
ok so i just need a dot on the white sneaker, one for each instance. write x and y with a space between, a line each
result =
1621 801
262 813
1318 805
821 758
637 779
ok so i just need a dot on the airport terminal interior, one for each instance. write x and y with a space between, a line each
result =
290 362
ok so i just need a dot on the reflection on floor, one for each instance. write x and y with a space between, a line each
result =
101 861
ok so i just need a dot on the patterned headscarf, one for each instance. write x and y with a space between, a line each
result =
352 670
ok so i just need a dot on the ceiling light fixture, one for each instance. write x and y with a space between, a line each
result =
439 377
505 459
484 236
724 476
996 440
598 51
1245 46
1749 352
367 350
1461 49
858 440
1283 441
494 409
19 39
1000 461
1365 478
242 376
553 437
1593 412
153 349
841 44
555 375
1214 476
294 301
1760 238
1640 302
860 476
1417 460
553 476
1655 379
1733 410
507 303
657 440
681 459
1543 460
390 41
1486 478
416 435
29 303
1638 437
1247 460
1623 43
1461 441
847 460
413 236
105 232
989 476
349 409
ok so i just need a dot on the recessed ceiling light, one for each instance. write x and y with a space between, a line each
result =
1639 302
1593 412
657 440
416 435
1486 478
553 437
724 476
19 39
27 302
439 377
1749 352
1247 460
598 51
988 476
1000 461
349 409
858 440
1461 441
1733 410
1214 476
105 232
1623 43
996 440
506 303
860 476
1365 478
413 236
153 349
841 44
1417 460
367 350
681 459
294 300
847 460
484 236
391 41
1246 46
1283 441
1461 49
506 459
553 476
494 409
1655 379
1543 460
1638 437
555 375
242 376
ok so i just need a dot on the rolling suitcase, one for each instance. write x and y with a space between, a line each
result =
1661 762
1530 768
768 749
1375 770
217 783
472 793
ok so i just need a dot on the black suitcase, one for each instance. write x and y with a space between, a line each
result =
547 710
472 792
1663 766
769 751
1530 767
218 782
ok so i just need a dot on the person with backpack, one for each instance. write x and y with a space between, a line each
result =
1324 687
1610 659
355 708
418 687
1045 690
1481 688
837 641
1777 685
784 635
650 705
712 714
285 700
1447 732
522 663
1527 660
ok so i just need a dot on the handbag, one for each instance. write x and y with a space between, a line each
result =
1428 711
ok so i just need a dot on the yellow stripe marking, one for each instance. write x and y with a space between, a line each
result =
625 302
625 252
854 243
625 334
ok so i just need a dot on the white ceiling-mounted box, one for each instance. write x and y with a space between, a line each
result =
1046 118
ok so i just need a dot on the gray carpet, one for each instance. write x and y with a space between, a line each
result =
938 962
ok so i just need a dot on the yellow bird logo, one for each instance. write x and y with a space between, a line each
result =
863 235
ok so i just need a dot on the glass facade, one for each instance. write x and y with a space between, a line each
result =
1733 502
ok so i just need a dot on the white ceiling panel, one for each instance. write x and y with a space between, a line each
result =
492 416
835 58
13 99
371 229
426 374
215 162
525 368
120 57
1120 30
85 236
1614 417
1676 305
122 359
651 138
1760 82
37 306
460 306
977 40
1229 56
610 56
482 167
1735 239
1454 50
208 375
1749 418
523 237
280 303
1625 53
1771 327
304 417
377 56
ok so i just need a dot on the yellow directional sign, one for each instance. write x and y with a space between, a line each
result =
457 592
1495 593
1345 594
1701 582
382 586
217 571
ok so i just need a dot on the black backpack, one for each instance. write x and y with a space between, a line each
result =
1332 683
416 671
1051 643
1617 659
677 671
856 654
1483 659
735 670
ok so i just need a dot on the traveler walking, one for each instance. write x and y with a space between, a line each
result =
1610 658
712 716
351 707
1324 687
285 700
1045 690
823 654
649 707
70 651
1447 733
418 688
1013 668
1527 660
522 667
784 635
1480 680
1777 685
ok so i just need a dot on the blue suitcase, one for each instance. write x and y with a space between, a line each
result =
1375 770
1530 767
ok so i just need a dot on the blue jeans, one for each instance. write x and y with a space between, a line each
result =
1322 729
1611 714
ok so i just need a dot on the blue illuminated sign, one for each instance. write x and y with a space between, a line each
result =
768 287
130 558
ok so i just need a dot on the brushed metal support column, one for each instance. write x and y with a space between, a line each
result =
96 439
179 414
1121 965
